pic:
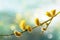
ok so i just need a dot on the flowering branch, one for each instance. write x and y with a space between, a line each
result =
37 24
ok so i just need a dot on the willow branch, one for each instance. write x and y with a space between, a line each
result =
36 26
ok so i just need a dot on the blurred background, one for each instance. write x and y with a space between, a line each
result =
28 10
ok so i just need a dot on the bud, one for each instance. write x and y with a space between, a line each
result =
37 21
22 25
43 29
48 14
28 28
17 34
53 12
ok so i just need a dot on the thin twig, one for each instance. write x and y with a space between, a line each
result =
36 26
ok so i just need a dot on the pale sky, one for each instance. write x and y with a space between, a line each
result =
23 5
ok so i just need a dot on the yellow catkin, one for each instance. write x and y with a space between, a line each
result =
48 14
37 21
53 12
22 25
17 34
28 28
43 29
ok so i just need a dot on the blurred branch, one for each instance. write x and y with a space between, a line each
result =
36 26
